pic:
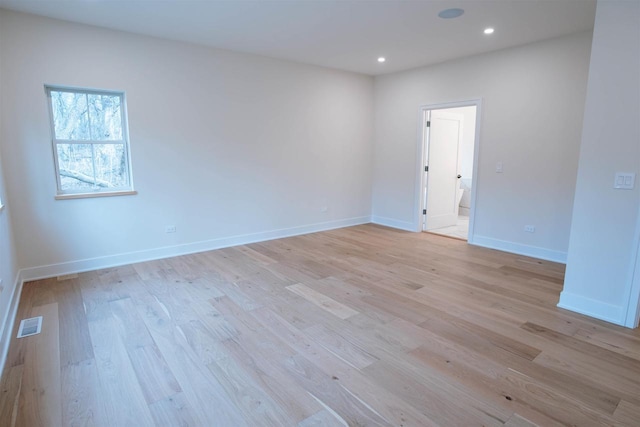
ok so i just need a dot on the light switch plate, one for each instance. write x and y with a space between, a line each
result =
624 181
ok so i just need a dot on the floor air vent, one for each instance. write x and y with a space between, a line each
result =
30 326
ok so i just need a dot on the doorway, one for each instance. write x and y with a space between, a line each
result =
449 152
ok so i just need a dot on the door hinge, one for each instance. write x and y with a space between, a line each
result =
428 123
426 168
424 211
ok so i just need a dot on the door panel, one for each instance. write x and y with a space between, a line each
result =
442 178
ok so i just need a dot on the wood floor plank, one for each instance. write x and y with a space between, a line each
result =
254 337
10 389
330 394
248 395
352 380
130 328
484 373
402 307
15 356
82 405
207 345
96 296
343 289
334 307
631 365
618 343
359 326
627 413
443 409
202 391
153 375
228 265
481 377
323 418
119 390
479 339
581 366
73 323
335 343
289 305
557 406
272 377
40 399
173 411
518 421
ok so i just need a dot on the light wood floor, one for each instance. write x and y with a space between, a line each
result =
362 326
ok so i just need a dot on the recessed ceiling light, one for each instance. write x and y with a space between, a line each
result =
451 13
382 59
489 30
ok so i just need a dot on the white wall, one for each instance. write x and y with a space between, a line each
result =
8 261
532 107
604 230
227 147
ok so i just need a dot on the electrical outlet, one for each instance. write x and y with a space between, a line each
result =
324 209
530 228
170 229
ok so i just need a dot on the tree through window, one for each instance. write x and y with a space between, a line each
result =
90 141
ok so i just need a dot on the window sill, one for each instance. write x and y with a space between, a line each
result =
98 194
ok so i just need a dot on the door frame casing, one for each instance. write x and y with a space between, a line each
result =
420 161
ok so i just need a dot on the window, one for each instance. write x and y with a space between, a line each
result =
90 142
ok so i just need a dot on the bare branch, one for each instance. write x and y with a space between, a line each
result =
84 178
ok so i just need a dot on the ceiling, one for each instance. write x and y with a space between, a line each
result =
344 34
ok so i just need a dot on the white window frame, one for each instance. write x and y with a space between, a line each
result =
96 191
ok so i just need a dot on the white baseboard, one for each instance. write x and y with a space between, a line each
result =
52 270
9 321
520 249
393 223
589 307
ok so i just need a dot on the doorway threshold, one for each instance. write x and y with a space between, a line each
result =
458 231
448 236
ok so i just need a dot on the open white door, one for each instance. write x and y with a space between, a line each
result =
443 166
